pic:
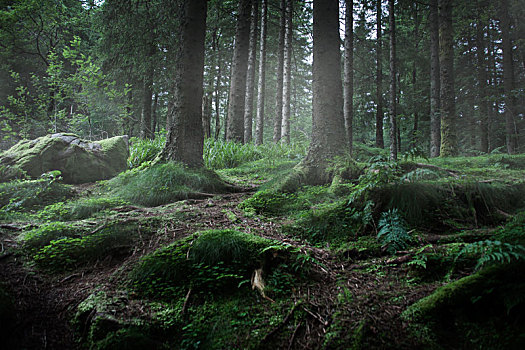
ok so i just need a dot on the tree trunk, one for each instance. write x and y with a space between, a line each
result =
287 73
279 88
328 135
154 120
348 86
206 115
393 85
250 77
218 76
483 87
261 92
446 62
185 140
508 80
235 131
379 78
415 129
435 104
145 123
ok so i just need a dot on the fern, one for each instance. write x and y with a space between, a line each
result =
392 231
491 252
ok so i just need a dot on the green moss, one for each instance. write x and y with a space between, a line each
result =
478 310
208 261
133 338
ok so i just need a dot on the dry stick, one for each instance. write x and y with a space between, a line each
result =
185 305
293 336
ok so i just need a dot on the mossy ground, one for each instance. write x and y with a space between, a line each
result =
179 274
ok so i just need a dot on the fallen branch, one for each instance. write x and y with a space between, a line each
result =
280 325
185 305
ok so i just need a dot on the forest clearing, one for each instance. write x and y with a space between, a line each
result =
237 175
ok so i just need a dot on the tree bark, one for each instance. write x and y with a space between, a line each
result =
218 76
184 142
508 80
250 77
348 85
379 77
328 135
206 115
435 104
279 88
415 129
287 73
393 83
483 87
154 120
446 65
261 89
237 98
145 123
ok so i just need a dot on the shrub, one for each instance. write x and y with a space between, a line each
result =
144 150
392 231
38 238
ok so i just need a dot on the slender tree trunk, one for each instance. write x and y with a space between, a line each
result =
348 85
393 85
379 77
328 135
287 73
415 128
250 78
446 62
154 122
235 131
508 80
261 90
435 105
206 115
185 139
279 88
218 76
145 124
482 85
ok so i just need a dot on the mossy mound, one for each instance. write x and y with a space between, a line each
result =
27 195
210 261
79 161
483 310
164 183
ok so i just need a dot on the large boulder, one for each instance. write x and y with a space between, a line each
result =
78 160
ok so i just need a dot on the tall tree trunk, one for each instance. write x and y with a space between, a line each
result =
483 87
206 115
261 89
348 85
435 104
218 76
250 78
235 131
415 128
279 88
446 64
328 135
393 85
508 80
287 73
379 77
185 140
154 120
145 123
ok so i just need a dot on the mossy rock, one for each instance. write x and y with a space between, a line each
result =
79 161
482 310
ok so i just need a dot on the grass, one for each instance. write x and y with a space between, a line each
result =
162 184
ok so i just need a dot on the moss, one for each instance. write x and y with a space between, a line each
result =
163 184
133 338
478 309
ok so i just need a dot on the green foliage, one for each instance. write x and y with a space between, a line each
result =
58 246
24 195
491 252
144 150
514 230
392 231
79 209
162 184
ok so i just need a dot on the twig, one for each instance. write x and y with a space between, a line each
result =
293 336
185 305
317 317
69 277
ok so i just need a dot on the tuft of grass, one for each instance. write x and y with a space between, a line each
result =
144 150
79 209
163 184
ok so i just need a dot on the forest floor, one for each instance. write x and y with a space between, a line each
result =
349 295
